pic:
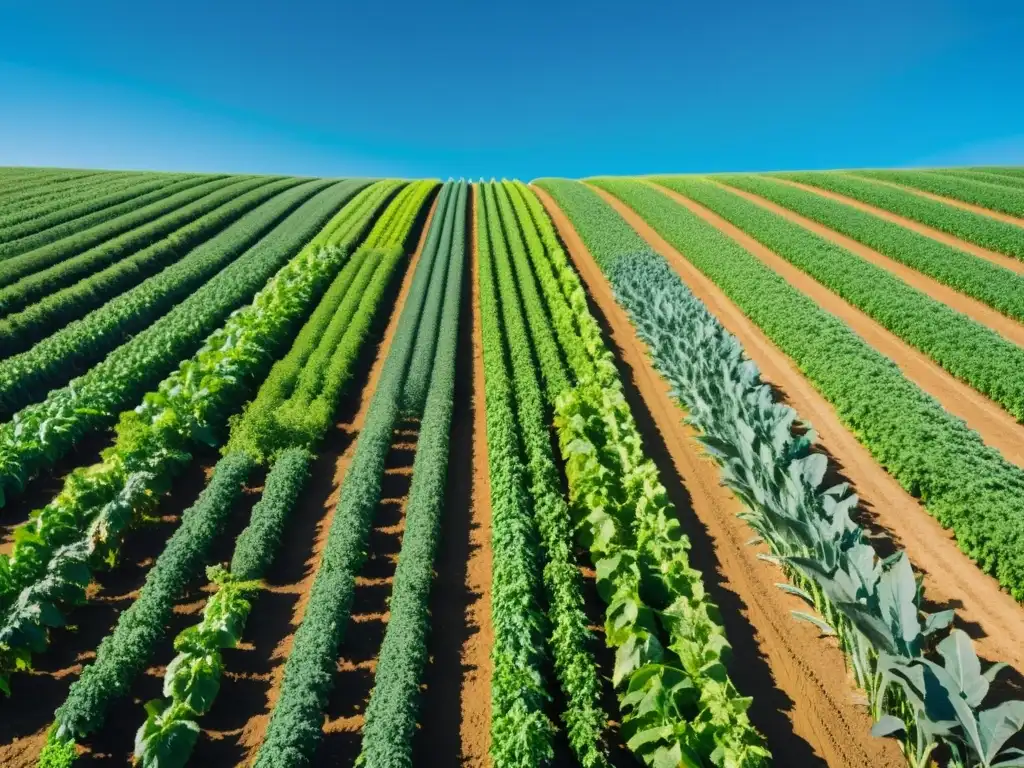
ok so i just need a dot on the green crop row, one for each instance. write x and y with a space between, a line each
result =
295 724
518 321
193 677
23 329
391 715
51 362
135 213
991 196
973 353
27 279
521 732
125 652
809 528
50 566
998 287
1013 171
39 206
965 484
417 380
41 185
989 177
41 433
192 680
83 206
622 515
972 227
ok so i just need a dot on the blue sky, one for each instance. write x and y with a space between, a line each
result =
521 89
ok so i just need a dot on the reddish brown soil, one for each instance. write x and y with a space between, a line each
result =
28 713
976 310
234 728
989 615
997 427
999 259
1005 217
454 720
803 699
475 696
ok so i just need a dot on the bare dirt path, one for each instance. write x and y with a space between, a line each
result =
996 427
455 710
999 259
803 699
989 615
978 311
958 203
234 728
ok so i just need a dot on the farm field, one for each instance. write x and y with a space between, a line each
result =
719 471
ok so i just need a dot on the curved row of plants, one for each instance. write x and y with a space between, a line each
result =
972 227
530 518
81 529
984 194
51 362
22 329
26 278
193 678
1000 288
677 702
970 351
296 723
924 681
45 220
43 181
39 434
990 176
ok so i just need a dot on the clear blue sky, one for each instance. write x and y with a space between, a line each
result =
525 89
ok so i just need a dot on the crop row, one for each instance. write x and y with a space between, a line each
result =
668 635
23 329
989 177
972 227
45 183
998 287
965 484
189 406
41 433
192 679
391 715
973 353
70 242
295 725
37 277
51 362
16 214
986 195
51 563
530 480
809 528
84 205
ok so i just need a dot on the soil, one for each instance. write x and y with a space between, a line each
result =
804 701
455 710
997 427
1004 217
24 718
978 311
999 259
990 616
234 728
